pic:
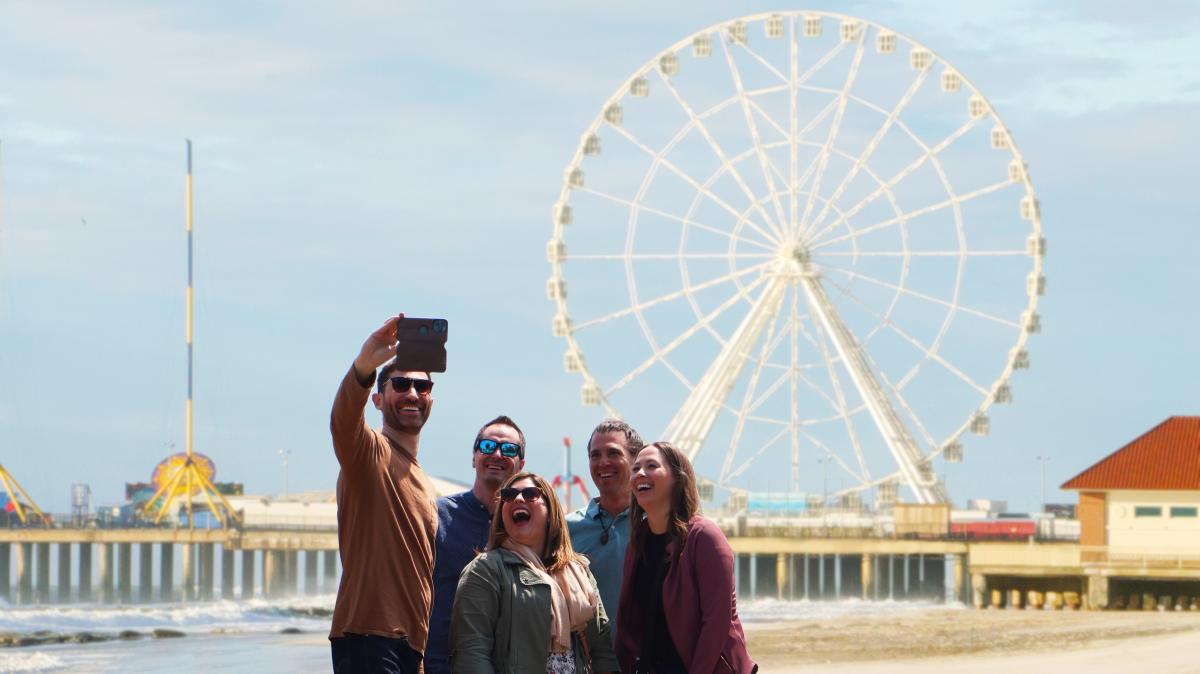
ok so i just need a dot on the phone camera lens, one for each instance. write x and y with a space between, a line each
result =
439 326
424 330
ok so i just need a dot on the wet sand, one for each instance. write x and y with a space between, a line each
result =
1000 642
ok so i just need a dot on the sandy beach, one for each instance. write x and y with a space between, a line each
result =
983 642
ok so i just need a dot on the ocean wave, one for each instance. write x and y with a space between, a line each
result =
761 611
18 662
254 615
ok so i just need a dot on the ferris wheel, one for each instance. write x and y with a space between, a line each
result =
807 241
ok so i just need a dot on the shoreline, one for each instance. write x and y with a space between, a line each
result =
931 640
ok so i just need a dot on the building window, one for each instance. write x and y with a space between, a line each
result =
1183 511
1147 511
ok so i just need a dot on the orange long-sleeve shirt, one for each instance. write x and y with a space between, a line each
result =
387 518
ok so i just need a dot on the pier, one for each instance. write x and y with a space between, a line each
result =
148 564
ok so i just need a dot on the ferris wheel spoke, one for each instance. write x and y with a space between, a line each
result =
930 253
916 343
952 202
662 353
720 153
834 128
691 424
861 161
671 216
764 163
904 405
751 387
894 433
861 476
659 158
953 306
761 450
841 405
928 154
640 306
745 46
669 256
793 123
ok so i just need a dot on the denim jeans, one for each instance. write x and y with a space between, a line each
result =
370 654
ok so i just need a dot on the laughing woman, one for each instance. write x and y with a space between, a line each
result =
529 604
678 610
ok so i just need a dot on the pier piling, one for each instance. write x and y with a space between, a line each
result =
125 572
247 574
43 573
227 572
64 573
166 572
146 572
85 572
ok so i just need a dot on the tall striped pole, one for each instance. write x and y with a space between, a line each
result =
188 414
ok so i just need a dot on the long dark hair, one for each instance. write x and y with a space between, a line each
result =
558 551
685 502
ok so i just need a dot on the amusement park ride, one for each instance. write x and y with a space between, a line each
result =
569 481
829 248
184 475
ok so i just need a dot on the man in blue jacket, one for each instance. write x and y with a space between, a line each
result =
464 521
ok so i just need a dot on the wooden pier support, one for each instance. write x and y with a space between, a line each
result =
188 565
125 572
207 572
227 573
106 572
310 572
24 571
5 571
293 571
273 571
959 576
247 574
63 595
43 573
166 572
1097 592
330 569
867 573
146 572
781 575
85 572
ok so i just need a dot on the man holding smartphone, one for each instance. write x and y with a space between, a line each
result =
464 522
387 516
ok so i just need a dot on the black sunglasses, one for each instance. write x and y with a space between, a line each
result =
508 449
402 384
509 494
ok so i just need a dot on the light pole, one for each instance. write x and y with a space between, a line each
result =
1043 460
824 461
285 453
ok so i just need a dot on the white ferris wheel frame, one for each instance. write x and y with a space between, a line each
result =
765 293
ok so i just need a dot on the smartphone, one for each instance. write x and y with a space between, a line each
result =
422 344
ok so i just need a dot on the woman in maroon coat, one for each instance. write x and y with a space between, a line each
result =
678 609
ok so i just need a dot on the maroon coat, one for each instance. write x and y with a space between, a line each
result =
699 603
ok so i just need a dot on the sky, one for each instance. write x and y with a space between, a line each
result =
363 159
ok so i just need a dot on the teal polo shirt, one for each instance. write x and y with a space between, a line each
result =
587 527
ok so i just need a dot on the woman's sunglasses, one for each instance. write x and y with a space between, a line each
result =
509 494
507 449
402 384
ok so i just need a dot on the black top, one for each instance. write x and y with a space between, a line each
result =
657 649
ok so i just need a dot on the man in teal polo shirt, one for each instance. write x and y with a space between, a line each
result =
601 529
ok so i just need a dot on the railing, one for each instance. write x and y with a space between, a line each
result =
1102 555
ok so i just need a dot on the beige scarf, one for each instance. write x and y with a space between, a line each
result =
573 598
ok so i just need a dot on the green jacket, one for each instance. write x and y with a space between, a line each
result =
501 621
